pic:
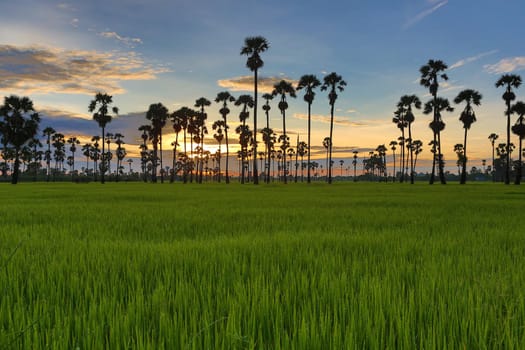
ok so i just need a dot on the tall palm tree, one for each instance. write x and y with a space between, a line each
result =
48 132
177 124
354 163
468 117
74 142
219 126
246 101
519 129
102 117
266 135
493 137
253 47
332 82
157 114
399 120
120 153
284 88
393 147
430 73
417 146
201 103
20 124
508 81
406 103
95 155
308 82
225 97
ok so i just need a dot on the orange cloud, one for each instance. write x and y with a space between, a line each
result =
245 83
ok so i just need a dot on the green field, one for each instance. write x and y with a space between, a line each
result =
347 266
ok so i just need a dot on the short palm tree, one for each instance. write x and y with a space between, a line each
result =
48 132
519 129
253 47
406 103
430 73
393 147
468 117
224 97
157 114
219 126
493 137
308 82
508 81
399 120
201 103
332 82
100 105
282 89
266 136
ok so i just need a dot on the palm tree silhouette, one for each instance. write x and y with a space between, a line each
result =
399 120
417 147
253 47
436 106
48 132
202 116
468 117
493 137
102 117
508 81
430 73
406 102
284 88
333 82
308 82
219 126
225 97
354 163
177 124
157 114
246 101
267 135
519 129
74 142
19 126
393 147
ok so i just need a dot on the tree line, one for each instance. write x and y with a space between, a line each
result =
19 126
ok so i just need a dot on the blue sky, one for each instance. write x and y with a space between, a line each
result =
60 53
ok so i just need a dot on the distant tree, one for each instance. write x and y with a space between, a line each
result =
393 147
519 129
430 73
354 163
157 114
246 101
493 137
202 103
399 120
283 89
417 147
19 125
267 132
224 97
95 155
308 82
48 133
100 105
120 153
219 126
302 150
253 47
467 117
406 103
332 82
508 81
73 142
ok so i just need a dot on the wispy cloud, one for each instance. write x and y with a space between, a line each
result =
420 16
464 61
326 119
506 65
245 83
128 41
74 22
45 70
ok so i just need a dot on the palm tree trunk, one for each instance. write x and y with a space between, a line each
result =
493 170
227 152
285 147
507 170
309 133
411 153
255 170
441 162
161 168
331 142
518 170
16 170
463 179
103 158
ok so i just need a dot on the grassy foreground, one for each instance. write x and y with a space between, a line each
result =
141 266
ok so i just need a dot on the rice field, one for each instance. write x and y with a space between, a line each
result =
347 266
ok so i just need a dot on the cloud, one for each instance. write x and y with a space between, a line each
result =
46 70
74 22
326 119
129 42
351 111
506 65
245 83
464 61
420 16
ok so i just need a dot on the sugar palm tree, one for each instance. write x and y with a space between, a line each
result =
74 142
399 120
201 103
100 105
430 73
508 81
393 147
417 146
266 136
406 103
157 114
308 82
246 101
177 128
332 82
219 126
224 97
253 47
467 117
20 124
493 137
437 106
48 132
519 129
283 89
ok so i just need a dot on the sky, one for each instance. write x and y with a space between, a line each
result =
60 53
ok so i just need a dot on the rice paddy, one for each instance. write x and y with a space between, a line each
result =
347 266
